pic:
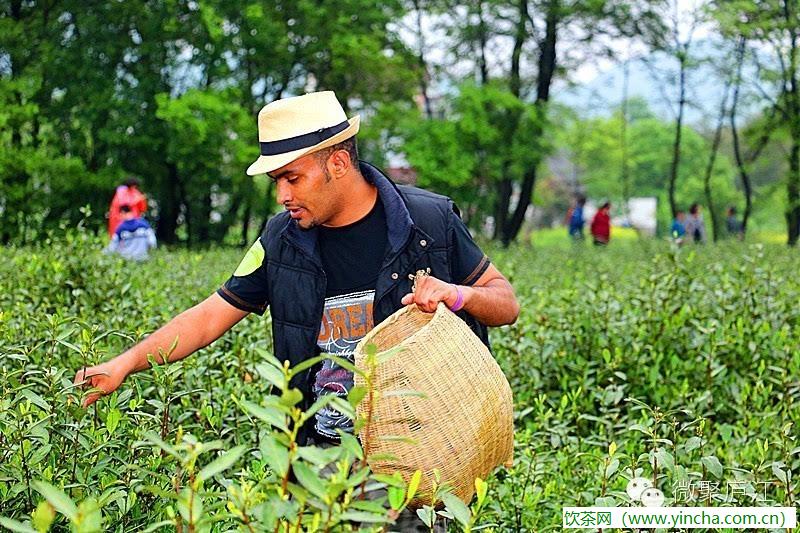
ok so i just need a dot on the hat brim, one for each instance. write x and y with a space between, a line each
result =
268 163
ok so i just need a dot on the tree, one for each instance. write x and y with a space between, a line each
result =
87 91
775 26
207 145
532 38
475 141
676 43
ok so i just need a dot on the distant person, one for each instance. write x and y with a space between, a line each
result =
575 219
733 224
601 225
133 238
678 229
126 194
695 226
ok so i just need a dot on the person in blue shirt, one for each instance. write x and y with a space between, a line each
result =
734 226
576 220
678 229
694 225
133 238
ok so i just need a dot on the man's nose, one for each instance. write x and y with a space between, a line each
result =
283 192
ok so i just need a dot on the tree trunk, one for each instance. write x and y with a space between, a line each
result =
421 63
169 207
248 211
793 180
676 147
793 188
483 40
715 225
623 134
188 212
267 211
526 192
501 211
515 84
203 218
737 152
547 67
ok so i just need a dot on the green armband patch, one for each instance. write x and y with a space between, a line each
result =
251 261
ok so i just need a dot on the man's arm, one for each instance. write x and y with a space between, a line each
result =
195 328
490 299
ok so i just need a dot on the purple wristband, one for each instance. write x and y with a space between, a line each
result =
459 303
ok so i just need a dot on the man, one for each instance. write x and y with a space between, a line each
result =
695 226
575 219
335 262
733 224
678 229
133 238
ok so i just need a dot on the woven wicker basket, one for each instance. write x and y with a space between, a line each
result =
463 426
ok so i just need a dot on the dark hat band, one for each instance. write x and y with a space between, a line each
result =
301 141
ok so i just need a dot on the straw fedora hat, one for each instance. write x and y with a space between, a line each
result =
293 127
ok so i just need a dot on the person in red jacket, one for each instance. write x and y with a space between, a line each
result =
601 225
126 194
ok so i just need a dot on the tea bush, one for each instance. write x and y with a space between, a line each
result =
682 366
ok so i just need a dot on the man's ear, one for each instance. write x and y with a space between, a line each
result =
339 163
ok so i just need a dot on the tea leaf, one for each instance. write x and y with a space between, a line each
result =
309 479
361 516
458 508
481 488
713 465
14 525
396 497
221 463
57 498
355 395
43 516
276 455
271 374
271 416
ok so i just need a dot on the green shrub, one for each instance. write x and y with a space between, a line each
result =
637 360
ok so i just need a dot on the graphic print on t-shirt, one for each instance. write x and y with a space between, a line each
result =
347 318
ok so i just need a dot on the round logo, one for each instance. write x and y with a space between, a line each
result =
652 497
637 486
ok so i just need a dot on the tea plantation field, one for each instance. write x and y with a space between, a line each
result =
681 366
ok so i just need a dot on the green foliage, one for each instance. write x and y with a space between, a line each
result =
491 136
209 142
636 360
207 444
640 361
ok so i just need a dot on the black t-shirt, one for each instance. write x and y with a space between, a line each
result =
352 255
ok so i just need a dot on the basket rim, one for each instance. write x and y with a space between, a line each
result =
441 311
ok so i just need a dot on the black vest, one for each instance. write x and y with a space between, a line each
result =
419 237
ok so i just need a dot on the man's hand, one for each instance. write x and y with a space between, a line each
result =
105 378
191 330
490 299
429 292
